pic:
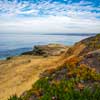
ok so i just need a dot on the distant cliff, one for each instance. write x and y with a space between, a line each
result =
47 50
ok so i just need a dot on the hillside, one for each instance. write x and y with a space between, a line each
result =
77 78
67 82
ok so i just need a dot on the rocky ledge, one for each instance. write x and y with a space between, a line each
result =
47 50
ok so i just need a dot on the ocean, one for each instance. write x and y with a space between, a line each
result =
15 44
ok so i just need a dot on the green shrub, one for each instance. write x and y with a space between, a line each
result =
14 97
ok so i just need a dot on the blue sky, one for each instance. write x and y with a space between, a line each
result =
49 16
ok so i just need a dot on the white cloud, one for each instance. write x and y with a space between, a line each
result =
53 24
46 17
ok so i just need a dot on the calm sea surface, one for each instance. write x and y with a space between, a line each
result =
15 44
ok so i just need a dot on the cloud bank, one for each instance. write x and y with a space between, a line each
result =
49 17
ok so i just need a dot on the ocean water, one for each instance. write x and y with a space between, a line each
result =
15 44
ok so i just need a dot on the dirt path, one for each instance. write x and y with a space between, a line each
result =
19 73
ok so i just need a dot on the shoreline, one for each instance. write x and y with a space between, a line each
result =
13 52
17 52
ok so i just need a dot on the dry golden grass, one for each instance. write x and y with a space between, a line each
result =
19 73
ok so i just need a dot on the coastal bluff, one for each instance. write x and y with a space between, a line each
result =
75 76
77 66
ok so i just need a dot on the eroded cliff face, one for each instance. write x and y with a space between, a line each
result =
88 50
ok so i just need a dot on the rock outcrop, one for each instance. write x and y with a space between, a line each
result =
48 50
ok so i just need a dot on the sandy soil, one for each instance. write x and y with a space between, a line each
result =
19 73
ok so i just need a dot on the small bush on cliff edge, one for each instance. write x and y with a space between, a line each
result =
14 97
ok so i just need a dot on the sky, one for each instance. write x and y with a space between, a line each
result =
49 16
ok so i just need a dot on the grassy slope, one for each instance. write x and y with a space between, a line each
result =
63 83
19 73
